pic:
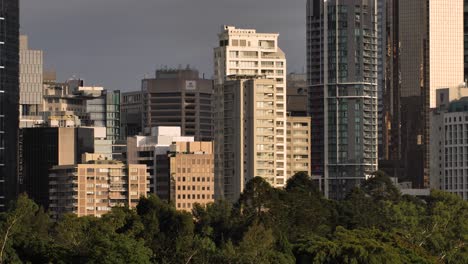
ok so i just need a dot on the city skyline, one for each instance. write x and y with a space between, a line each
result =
102 50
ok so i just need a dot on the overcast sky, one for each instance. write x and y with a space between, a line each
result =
114 43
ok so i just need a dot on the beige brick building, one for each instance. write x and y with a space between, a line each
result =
94 187
299 145
192 174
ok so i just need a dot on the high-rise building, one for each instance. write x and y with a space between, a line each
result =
244 52
430 57
179 98
132 113
381 62
390 131
296 90
9 99
254 132
342 76
93 187
31 84
46 147
299 145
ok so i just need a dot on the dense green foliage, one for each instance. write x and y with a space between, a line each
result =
374 224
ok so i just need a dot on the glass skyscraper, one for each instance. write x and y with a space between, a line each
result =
342 76
9 99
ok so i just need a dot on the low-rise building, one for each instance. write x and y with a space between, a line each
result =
95 186
144 149
191 170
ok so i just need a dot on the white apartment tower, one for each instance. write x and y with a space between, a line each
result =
246 54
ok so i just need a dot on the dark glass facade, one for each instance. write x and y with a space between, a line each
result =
46 147
342 75
9 99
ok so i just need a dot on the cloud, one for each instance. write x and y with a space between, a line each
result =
115 42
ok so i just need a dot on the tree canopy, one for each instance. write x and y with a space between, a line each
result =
373 224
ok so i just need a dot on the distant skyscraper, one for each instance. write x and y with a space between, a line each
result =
132 113
31 84
9 99
179 98
342 74
430 51
247 54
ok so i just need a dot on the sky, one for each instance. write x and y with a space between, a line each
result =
116 43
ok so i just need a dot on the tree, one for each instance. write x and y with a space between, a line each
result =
24 232
380 187
356 246
446 234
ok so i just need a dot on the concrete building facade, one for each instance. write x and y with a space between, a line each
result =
93 187
9 100
299 145
191 174
244 52
449 147
31 82
179 98
343 91
148 150
254 142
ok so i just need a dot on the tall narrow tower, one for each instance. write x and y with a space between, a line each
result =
342 77
249 55
9 99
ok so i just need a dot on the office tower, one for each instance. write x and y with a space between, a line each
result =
132 112
31 82
449 144
46 147
299 145
93 187
190 173
179 98
145 149
254 132
430 35
244 52
296 90
9 99
342 74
